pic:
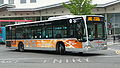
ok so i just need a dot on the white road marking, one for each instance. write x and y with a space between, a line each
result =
45 60
117 51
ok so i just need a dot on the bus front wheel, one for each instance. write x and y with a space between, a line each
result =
60 48
21 47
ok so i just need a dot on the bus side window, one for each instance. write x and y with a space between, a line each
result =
71 34
71 31
58 36
24 36
60 31
38 35
43 33
49 32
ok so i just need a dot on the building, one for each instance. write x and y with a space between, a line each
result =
40 10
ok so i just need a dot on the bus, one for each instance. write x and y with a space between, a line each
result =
2 35
63 33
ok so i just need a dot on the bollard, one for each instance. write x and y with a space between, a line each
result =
119 38
113 39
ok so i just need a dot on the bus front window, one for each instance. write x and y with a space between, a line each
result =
96 31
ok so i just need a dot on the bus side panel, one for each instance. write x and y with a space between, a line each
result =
47 43
52 43
30 43
11 43
73 44
27 43
8 43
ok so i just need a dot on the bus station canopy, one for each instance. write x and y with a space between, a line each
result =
16 21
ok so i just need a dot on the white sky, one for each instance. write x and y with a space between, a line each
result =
94 1
101 1
49 2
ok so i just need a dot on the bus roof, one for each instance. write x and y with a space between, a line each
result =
69 16
54 18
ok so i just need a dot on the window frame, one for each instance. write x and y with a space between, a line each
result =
33 1
1 1
23 1
11 1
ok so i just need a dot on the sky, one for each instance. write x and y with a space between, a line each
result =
59 1
101 1
94 1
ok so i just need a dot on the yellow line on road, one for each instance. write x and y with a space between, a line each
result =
117 51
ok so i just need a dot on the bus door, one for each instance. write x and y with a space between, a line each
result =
13 36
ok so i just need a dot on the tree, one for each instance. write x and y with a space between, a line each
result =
80 7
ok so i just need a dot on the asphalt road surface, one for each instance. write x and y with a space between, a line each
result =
109 58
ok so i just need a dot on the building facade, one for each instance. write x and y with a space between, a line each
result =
40 10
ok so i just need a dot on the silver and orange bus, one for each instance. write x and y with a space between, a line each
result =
63 33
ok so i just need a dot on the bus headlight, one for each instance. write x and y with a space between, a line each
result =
105 45
88 47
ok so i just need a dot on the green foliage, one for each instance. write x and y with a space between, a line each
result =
80 7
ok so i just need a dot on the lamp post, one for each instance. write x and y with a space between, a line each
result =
106 22
114 30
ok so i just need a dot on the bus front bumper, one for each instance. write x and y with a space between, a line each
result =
87 49
94 49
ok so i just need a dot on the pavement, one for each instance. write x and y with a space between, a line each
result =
109 58
111 42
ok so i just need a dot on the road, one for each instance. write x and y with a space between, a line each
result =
49 59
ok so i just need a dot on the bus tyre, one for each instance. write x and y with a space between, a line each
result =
60 48
21 47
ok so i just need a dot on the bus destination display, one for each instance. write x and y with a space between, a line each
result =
94 18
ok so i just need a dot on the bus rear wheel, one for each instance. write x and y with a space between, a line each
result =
21 47
60 48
